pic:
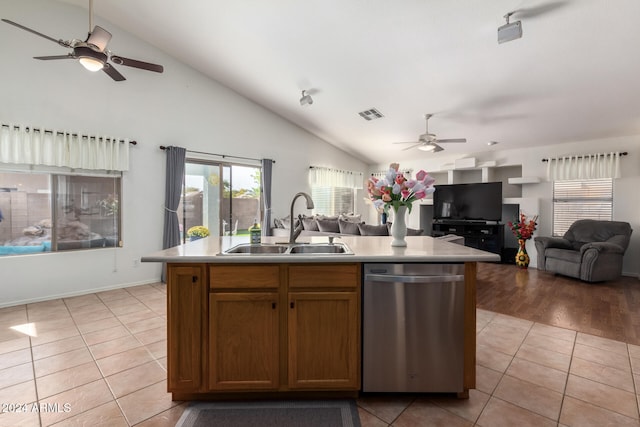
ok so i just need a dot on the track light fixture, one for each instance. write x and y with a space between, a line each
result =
306 99
509 31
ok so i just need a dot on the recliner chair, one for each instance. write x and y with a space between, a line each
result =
590 250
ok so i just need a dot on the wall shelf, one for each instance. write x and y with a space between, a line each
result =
524 180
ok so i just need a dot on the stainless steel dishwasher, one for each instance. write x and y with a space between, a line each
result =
413 328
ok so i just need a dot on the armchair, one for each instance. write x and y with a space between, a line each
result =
590 250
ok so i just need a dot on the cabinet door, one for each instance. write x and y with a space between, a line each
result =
243 341
324 340
186 314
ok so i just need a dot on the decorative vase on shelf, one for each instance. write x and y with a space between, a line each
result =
522 258
399 227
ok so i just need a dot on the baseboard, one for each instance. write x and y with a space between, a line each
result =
78 293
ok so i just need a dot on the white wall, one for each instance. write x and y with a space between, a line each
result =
538 197
180 107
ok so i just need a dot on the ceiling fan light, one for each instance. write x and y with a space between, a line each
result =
427 147
91 64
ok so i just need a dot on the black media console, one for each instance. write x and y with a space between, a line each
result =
479 235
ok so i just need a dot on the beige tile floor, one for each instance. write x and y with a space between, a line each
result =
100 359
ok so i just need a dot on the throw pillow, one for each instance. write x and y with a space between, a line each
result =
309 223
331 218
348 227
328 226
373 230
286 222
351 217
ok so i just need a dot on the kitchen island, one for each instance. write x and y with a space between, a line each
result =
286 324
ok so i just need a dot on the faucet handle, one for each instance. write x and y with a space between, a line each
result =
331 239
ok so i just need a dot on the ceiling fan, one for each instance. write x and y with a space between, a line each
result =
428 141
93 53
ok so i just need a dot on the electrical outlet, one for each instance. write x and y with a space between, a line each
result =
136 262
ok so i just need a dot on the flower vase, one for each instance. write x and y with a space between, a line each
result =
522 258
399 227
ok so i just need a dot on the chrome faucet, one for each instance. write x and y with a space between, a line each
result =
294 232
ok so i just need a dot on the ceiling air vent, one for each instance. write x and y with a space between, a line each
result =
371 114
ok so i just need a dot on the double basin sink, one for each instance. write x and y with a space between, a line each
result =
289 249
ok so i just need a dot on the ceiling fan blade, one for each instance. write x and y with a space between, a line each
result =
452 140
406 142
99 37
413 146
47 58
438 148
137 64
22 27
113 73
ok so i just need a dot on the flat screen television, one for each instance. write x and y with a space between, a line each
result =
468 202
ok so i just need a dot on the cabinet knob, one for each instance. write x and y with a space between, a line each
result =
273 305
194 279
291 304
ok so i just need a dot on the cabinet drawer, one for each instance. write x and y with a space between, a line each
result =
324 276
244 276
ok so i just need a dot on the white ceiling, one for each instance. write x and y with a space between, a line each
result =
573 76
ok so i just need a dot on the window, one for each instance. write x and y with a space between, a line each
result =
43 212
332 200
333 191
224 197
581 199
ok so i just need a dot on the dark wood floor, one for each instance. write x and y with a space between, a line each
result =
608 309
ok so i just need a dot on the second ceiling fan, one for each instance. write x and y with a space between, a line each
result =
428 141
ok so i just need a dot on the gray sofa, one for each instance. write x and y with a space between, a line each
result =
320 225
590 250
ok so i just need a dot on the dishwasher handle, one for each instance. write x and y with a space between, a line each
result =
400 278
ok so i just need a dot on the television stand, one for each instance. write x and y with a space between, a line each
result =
477 234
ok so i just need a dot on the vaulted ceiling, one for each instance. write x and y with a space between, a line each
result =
574 75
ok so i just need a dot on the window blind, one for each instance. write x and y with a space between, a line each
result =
332 200
581 199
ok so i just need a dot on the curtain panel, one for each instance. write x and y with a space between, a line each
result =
588 166
267 172
26 145
325 177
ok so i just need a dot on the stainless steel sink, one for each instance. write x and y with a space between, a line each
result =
294 249
247 248
322 248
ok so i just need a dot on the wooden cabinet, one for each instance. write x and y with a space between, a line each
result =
324 326
284 327
244 341
324 340
187 310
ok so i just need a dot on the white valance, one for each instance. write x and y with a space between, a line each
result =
326 177
26 145
588 166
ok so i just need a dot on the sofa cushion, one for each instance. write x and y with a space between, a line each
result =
373 230
351 217
309 223
410 231
564 255
286 222
328 225
348 227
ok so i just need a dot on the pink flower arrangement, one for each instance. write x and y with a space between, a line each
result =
395 190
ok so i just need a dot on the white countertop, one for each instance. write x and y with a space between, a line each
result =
365 249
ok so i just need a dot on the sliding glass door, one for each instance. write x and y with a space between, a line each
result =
224 197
